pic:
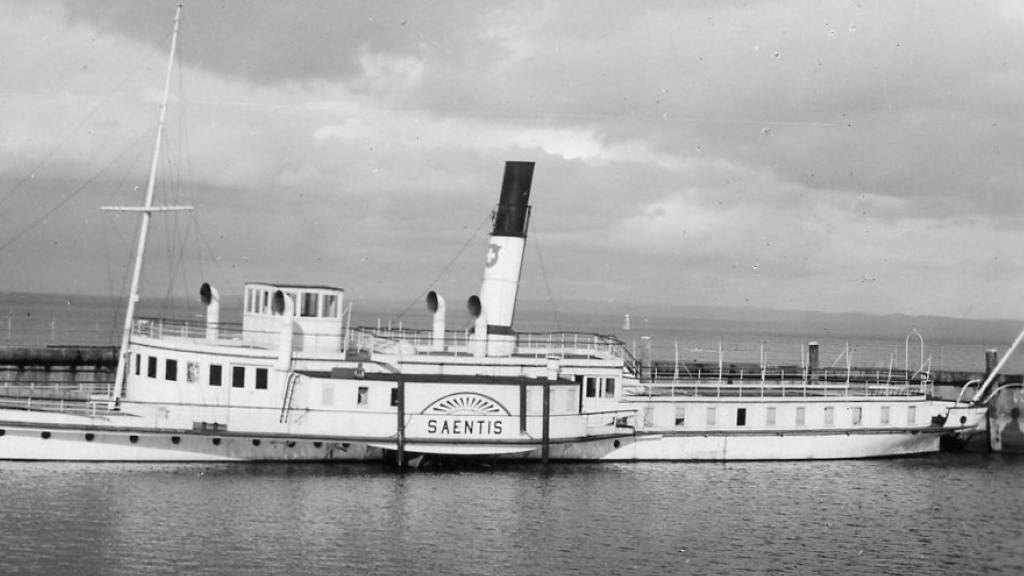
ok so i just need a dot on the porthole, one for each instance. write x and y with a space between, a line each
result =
216 441
45 435
133 438
290 444
255 441
317 444
175 439
616 443
89 437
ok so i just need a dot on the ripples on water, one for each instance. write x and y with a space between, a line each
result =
953 514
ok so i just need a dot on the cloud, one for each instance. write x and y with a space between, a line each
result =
821 141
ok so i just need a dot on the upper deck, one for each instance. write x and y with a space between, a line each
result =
369 343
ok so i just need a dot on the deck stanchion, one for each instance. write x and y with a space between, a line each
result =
522 405
400 454
546 426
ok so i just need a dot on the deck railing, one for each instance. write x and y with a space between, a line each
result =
63 406
785 389
66 390
460 343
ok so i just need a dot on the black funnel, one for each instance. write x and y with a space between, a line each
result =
514 206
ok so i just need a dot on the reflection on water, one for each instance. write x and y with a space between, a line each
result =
951 513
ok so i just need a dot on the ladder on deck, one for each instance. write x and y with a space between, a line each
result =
289 392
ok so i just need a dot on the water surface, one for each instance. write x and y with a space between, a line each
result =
947 513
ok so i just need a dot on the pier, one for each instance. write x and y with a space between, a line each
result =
57 372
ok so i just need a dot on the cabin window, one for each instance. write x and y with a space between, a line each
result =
171 370
609 387
711 416
680 416
327 393
248 299
855 416
769 416
591 387
261 378
394 396
830 416
911 415
885 415
801 414
330 305
138 364
741 416
238 377
215 373
192 372
264 301
362 396
309 304
151 367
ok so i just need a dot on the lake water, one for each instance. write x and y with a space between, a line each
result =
946 513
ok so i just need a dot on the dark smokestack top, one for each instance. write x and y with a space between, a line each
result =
514 206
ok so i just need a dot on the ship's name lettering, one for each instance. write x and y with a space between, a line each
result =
460 426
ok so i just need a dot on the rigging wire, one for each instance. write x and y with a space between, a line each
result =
74 130
544 273
444 270
72 195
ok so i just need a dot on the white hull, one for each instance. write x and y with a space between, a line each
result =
106 441
768 445
98 444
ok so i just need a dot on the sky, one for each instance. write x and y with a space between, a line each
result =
828 156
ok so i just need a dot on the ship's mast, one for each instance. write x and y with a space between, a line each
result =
147 210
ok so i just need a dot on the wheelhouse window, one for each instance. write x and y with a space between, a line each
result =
330 305
171 370
609 387
261 378
151 366
591 386
310 301
138 364
215 374
238 377
741 416
363 396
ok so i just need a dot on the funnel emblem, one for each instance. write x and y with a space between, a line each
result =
492 254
